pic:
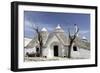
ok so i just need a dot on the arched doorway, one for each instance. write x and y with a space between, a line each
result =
75 48
55 50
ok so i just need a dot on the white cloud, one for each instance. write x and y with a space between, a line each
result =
28 24
84 31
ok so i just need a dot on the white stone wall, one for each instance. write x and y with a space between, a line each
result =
66 51
61 50
29 50
45 51
75 54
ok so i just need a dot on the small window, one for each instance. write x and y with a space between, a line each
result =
74 48
27 53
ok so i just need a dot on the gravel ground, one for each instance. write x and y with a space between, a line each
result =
83 54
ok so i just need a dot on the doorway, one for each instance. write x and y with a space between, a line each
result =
74 48
55 50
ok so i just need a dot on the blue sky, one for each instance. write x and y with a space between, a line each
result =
50 20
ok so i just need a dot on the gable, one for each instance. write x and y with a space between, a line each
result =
51 39
55 37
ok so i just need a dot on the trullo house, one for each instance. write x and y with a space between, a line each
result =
55 44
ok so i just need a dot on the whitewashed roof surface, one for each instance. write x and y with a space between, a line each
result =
26 41
58 26
43 29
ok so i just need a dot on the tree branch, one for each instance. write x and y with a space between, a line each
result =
72 38
69 33
75 34
77 31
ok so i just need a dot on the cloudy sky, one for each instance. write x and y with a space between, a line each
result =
50 20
